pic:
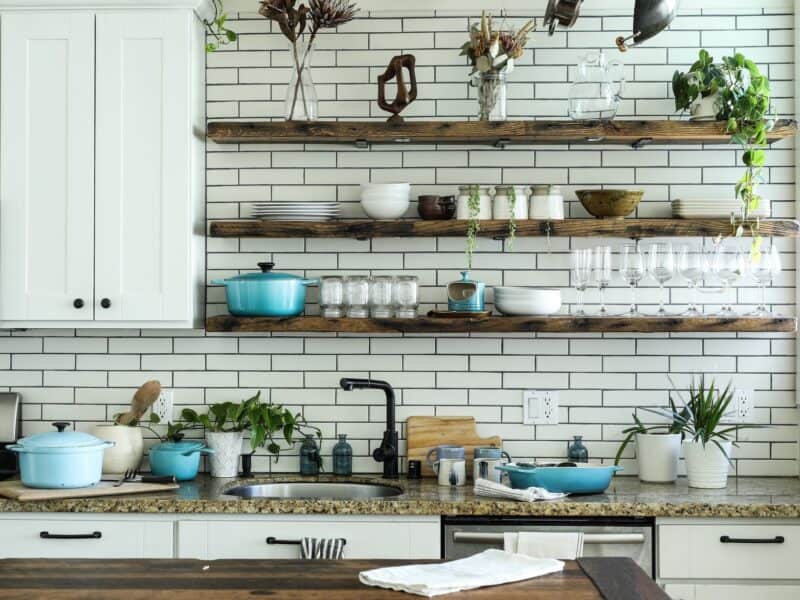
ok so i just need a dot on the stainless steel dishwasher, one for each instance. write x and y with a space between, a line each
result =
630 537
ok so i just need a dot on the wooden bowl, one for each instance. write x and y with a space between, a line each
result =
610 204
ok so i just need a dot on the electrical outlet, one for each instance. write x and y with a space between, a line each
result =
741 407
540 407
163 406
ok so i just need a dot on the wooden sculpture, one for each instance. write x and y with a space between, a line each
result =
405 96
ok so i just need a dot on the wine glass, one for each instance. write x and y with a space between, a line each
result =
581 274
728 264
661 266
602 274
632 270
765 267
693 267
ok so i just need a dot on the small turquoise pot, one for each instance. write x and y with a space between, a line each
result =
583 479
465 295
266 294
178 459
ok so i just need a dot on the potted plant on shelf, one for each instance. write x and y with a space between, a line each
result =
736 92
658 447
216 27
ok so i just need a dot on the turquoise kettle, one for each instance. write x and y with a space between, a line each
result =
465 295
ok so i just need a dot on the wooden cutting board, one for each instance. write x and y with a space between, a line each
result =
424 433
16 491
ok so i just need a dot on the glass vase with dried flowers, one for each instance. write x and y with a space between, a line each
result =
300 24
492 53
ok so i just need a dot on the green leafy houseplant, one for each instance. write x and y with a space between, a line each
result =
216 27
473 224
512 219
745 106
174 431
675 426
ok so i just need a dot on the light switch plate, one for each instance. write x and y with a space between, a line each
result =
741 406
540 407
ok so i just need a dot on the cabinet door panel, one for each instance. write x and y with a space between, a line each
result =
47 167
144 136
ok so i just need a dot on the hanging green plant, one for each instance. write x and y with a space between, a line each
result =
512 219
473 224
216 27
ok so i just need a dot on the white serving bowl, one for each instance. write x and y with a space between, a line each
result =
385 209
530 302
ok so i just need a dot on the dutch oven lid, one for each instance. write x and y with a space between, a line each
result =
182 446
61 439
267 274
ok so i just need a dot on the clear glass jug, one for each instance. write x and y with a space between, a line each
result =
595 94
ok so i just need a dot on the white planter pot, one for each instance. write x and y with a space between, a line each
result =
227 449
658 457
706 466
705 109
128 449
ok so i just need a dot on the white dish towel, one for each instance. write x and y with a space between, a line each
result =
492 489
567 545
490 567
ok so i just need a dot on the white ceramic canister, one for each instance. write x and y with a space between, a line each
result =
227 448
658 456
128 449
547 203
462 203
503 197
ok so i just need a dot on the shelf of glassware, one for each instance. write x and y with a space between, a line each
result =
502 324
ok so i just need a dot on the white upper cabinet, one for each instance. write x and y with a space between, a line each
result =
46 166
101 188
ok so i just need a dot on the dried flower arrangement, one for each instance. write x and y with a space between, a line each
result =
294 20
493 53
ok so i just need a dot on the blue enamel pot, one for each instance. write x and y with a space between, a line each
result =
582 479
266 294
178 459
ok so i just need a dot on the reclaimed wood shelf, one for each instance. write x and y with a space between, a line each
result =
621 228
555 324
495 133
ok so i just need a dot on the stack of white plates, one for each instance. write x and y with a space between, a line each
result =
714 209
527 301
296 211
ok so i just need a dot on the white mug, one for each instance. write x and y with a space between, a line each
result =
451 471
484 468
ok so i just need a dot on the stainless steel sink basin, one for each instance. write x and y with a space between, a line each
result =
302 490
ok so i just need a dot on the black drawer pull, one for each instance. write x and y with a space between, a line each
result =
726 539
95 535
275 541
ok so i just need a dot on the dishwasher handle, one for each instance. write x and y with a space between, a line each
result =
469 537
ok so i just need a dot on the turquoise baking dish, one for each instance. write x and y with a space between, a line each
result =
581 479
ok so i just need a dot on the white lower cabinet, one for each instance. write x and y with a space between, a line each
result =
707 559
45 536
366 537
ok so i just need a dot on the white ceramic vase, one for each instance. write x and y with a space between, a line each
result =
658 457
706 466
128 449
227 448
705 109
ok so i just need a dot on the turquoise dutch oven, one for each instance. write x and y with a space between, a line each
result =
580 479
178 459
266 294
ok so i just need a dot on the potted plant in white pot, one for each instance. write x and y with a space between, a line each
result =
658 448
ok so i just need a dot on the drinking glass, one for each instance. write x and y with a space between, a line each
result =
765 267
693 267
406 296
661 266
632 270
581 274
380 296
728 264
331 296
602 274
356 296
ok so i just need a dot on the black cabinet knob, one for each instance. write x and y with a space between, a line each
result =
78 303
105 303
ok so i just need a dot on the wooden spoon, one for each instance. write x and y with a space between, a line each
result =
142 400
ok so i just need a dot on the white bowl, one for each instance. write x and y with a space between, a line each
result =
532 302
385 187
383 209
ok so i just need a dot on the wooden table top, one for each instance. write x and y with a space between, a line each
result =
133 579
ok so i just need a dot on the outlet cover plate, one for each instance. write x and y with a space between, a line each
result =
741 407
540 407
163 407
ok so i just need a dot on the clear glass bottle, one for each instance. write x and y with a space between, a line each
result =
331 296
406 296
342 457
380 296
309 456
492 96
301 95
356 296
576 451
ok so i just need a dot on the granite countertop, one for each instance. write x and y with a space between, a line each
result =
745 497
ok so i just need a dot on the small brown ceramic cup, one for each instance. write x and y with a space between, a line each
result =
436 208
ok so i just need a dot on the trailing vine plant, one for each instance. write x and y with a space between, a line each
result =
474 224
216 28
512 219
745 106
